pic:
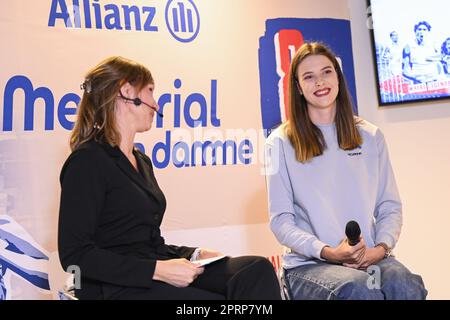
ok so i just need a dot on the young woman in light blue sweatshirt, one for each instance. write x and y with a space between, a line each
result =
328 167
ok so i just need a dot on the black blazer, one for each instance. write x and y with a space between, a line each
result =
110 217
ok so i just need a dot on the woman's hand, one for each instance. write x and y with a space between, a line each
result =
208 253
345 253
177 272
371 256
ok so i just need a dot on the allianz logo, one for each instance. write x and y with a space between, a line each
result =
182 17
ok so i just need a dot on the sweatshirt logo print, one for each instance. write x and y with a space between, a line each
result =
355 152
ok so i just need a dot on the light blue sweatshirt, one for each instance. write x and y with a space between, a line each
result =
310 204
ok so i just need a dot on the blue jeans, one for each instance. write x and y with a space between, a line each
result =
388 280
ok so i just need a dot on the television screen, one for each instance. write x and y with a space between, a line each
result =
411 40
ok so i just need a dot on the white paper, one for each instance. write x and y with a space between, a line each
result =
204 262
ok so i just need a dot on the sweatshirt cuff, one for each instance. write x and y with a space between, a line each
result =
316 249
386 239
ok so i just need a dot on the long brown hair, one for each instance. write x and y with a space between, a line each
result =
96 111
304 135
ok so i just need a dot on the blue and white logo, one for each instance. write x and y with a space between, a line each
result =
182 19
21 256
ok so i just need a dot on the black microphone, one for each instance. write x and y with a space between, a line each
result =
353 232
138 102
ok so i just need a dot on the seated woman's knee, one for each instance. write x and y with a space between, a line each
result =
358 289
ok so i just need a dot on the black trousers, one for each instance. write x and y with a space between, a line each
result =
240 278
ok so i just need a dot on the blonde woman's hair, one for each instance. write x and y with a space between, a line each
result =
96 111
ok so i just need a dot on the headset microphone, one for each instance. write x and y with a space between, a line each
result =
137 102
